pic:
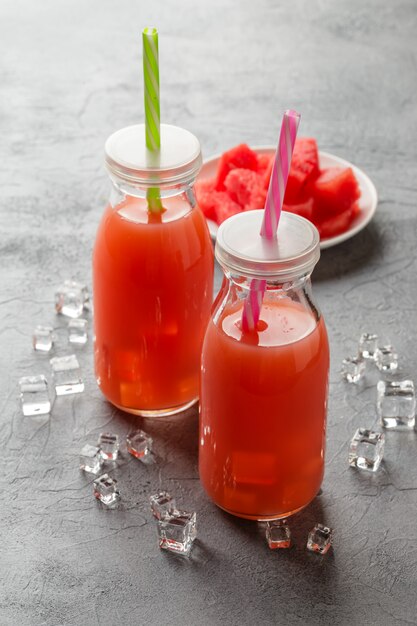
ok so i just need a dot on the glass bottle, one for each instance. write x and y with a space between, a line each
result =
152 275
263 398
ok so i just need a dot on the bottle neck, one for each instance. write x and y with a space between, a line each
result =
274 284
121 191
236 288
165 190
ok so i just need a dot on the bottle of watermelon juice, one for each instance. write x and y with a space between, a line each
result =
264 392
152 275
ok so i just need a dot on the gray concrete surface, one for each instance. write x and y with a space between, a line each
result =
70 74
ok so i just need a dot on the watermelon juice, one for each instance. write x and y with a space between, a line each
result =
263 395
264 411
152 299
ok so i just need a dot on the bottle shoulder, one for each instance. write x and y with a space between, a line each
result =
282 321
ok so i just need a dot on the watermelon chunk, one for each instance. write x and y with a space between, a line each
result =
335 191
304 169
265 163
224 206
266 174
205 192
239 157
247 188
305 209
338 223
216 205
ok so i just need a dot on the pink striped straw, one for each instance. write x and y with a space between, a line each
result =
280 172
252 305
272 212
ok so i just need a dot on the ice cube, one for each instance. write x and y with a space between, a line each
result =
77 331
278 534
84 290
90 459
105 489
43 338
34 395
177 532
386 359
139 444
396 403
70 298
162 504
353 369
366 449
109 446
75 284
67 375
368 344
320 539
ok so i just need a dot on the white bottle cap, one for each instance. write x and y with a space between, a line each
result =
129 161
241 249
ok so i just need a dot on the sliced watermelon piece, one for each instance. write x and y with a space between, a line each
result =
238 157
268 172
335 191
224 206
246 188
304 168
205 192
305 209
216 205
265 163
338 223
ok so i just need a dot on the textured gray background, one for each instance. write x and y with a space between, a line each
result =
70 74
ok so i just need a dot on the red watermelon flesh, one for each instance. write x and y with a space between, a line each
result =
304 168
265 163
327 198
268 173
294 189
335 191
247 188
224 206
338 223
216 205
305 209
239 157
205 192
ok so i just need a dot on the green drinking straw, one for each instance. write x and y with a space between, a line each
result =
152 110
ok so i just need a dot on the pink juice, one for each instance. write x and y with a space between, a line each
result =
263 410
152 300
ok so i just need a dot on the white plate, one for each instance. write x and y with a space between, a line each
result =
367 202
